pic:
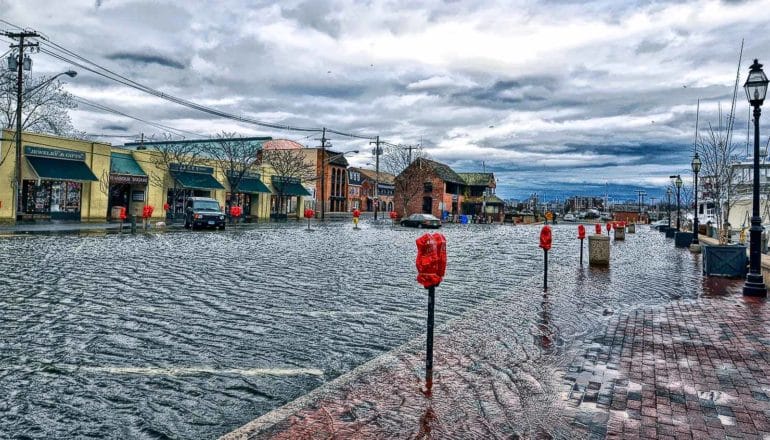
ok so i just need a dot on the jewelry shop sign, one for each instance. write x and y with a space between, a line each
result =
53 153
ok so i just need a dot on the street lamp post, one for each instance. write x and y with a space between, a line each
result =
756 89
678 183
668 206
696 164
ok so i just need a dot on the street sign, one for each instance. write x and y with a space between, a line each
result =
549 216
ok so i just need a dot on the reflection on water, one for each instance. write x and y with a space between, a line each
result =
190 335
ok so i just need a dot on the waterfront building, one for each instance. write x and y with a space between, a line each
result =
354 189
333 166
383 198
432 187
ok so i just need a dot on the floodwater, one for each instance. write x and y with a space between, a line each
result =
191 335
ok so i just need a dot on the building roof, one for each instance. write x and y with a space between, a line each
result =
442 171
383 176
490 200
478 179
281 144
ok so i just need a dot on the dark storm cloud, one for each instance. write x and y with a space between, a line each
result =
651 46
337 91
146 58
505 92
315 14
115 127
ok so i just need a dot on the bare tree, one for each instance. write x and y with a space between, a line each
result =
235 157
45 107
410 184
288 164
184 154
718 154
396 158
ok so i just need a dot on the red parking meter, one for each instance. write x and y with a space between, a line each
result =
122 213
165 206
356 213
235 211
147 211
431 266
581 237
309 213
393 215
598 229
609 228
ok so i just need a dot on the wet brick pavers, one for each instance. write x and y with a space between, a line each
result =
695 369
689 370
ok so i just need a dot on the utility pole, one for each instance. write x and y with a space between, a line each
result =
323 173
377 175
657 214
20 67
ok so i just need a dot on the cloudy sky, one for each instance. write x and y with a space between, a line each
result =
555 96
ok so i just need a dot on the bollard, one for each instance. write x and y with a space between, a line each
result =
133 224
356 214
431 265
599 250
309 213
620 233
581 236
545 244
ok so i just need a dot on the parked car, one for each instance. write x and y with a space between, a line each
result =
569 218
203 212
658 223
421 221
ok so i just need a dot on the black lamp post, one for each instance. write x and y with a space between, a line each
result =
668 206
677 179
756 89
696 163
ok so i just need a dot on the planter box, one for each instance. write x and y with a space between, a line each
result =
724 261
671 232
683 239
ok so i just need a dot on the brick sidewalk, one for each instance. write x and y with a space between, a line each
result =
687 370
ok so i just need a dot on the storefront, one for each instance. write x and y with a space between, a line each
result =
128 186
57 191
247 195
287 195
190 181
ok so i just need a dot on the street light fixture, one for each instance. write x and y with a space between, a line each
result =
695 164
756 89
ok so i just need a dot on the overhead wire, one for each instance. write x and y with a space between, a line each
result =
60 52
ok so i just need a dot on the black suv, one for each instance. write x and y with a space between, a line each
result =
203 212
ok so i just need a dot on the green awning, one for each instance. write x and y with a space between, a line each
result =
196 180
60 169
123 163
290 189
251 185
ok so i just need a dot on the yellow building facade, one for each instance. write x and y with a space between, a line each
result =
75 180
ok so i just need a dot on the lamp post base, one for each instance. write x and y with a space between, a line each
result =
754 286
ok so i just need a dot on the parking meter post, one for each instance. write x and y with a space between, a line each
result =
133 224
429 342
545 269
581 251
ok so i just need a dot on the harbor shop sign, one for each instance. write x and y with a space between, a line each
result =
128 179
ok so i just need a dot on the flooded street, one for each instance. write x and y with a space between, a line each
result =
191 335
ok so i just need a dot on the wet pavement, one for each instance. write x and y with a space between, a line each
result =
191 335
530 364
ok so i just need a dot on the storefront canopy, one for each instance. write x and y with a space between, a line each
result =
289 187
251 185
60 169
189 180
125 169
